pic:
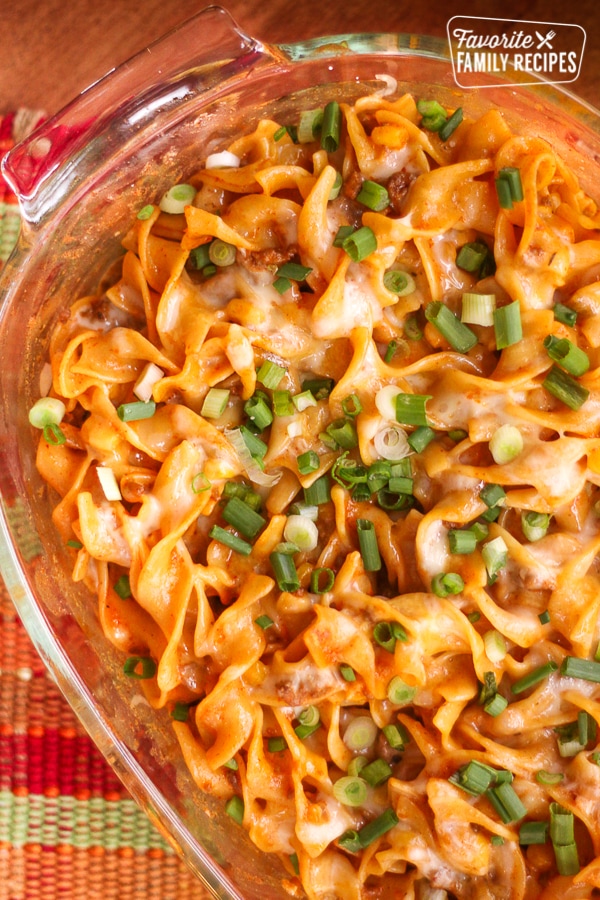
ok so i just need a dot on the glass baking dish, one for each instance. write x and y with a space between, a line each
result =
79 180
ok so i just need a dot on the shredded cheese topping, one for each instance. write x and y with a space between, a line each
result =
445 595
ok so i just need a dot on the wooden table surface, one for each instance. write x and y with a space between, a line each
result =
50 50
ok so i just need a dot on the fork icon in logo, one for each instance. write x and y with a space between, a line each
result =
545 41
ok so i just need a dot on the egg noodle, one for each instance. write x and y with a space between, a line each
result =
327 451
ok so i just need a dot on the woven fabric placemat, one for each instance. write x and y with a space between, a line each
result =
68 828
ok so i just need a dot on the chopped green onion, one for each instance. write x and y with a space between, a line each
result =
243 518
506 444
175 200
461 541
303 730
322 580
348 472
386 634
140 667
302 532
360 244
507 325
360 734
474 256
320 388
317 493
221 253
331 127
390 351
535 525
350 841
412 329
430 108
533 833
180 711
568 355
495 646
54 435
235 809
474 778
303 400
199 257
347 672
534 677
564 314
47 411
459 336
587 669
543 777
257 409
371 832
343 432
494 555
367 541
343 232
270 374
396 735
544 617
446 583
337 186
565 388
373 195
489 688
145 212
264 622
506 802
276 744
350 790
209 270
376 772
567 858
478 309
294 271
254 445
492 494
281 284
122 587
230 540
282 403
215 403
74 545
410 409
509 187
495 705
285 572
421 437
562 835
480 530
309 716
351 406
308 462
451 124
138 409
399 692
398 282
244 492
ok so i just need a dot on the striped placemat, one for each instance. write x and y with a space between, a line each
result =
68 828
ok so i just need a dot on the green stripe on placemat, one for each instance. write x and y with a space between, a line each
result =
59 820
9 229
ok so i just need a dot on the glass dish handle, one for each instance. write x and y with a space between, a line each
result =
197 57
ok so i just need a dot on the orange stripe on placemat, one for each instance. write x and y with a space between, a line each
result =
34 873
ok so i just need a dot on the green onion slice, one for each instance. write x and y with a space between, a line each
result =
138 409
367 541
331 127
459 336
360 244
565 388
350 790
568 355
